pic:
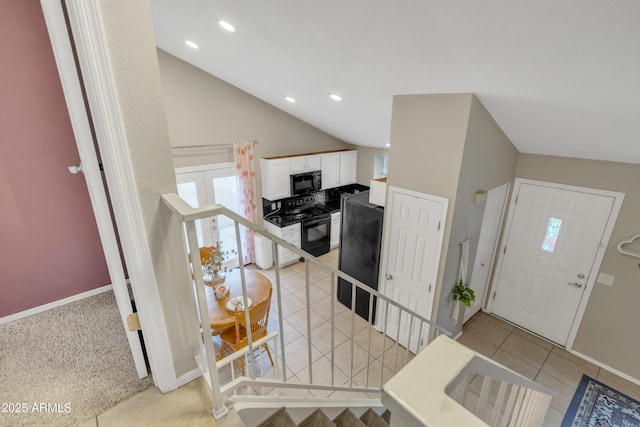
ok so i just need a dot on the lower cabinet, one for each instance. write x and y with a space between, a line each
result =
290 234
335 230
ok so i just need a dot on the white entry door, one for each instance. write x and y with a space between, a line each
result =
487 242
552 247
415 225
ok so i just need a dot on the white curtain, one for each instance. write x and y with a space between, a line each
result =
245 168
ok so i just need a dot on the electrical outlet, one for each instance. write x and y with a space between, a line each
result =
605 279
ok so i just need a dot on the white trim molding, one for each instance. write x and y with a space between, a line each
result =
57 27
606 367
54 304
93 55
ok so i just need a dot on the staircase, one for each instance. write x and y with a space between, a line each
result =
428 381
318 418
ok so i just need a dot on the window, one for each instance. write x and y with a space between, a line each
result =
550 238
380 166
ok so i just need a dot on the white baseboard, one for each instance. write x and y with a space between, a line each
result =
54 304
608 368
188 377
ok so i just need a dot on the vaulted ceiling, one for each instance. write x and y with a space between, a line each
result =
559 77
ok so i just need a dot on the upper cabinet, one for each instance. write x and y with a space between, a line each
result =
275 178
339 169
305 163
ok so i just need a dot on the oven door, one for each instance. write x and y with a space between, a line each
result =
316 235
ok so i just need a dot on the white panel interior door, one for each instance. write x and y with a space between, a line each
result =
414 241
554 237
487 242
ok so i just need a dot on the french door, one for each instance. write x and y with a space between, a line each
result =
208 185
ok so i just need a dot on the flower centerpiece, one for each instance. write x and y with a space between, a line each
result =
213 266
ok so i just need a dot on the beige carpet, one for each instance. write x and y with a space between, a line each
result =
66 365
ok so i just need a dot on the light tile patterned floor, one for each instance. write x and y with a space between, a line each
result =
539 360
518 350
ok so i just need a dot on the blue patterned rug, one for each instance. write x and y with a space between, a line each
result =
598 405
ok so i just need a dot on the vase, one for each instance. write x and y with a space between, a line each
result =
217 279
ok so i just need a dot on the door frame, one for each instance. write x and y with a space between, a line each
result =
78 116
491 250
384 256
85 22
606 236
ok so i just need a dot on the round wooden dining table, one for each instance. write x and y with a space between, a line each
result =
258 287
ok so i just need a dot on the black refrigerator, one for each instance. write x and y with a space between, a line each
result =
360 245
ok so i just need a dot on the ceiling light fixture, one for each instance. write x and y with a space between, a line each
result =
191 44
227 26
388 144
335 97
290 99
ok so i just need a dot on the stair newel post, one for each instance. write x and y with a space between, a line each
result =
208 356
308 300
245 302
353 327
384 336
334 292
369 340
276 261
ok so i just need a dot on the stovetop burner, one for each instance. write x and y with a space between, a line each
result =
297 210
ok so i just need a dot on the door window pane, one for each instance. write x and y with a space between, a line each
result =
553 228
226 194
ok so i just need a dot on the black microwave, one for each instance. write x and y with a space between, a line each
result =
305 183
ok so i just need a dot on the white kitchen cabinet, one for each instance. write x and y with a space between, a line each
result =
305 164
275 178
339 169
290 234
378 191
335 230
348 167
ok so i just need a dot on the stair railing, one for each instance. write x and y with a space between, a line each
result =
430 387
415 325
439 388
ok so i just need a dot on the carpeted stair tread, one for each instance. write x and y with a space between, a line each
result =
386 415
317 419
347 419
371 419
280 418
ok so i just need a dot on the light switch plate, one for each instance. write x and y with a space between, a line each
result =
605 279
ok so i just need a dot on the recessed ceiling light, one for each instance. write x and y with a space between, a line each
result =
388 144
191 44
335 97
227 26
290 99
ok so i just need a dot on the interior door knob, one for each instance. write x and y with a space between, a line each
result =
576 284
389 277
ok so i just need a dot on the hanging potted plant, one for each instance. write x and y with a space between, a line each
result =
463 293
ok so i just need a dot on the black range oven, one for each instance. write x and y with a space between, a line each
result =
315 223
316 233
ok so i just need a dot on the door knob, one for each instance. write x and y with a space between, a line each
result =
388 277
576 284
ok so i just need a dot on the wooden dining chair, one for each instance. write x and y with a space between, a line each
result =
236 338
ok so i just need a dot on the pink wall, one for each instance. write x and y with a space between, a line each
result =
49 243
